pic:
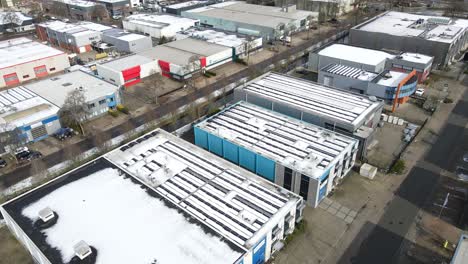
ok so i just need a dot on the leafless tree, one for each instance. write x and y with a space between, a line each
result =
11 20
101 140
59 9
455 8
155 86
249 46
38 170
74 110
128 128
99 13
72 153
309 21
11 138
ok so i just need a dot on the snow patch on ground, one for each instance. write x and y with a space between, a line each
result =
125 224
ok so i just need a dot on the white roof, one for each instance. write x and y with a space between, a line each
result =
23 50
18 18
306 148
160 199
186 4
228 39
393 80
93 26
81 3
56 89
416 57
355 54
350 72
336 104
432 28
132 37
159 21
461 253
126 62
19 106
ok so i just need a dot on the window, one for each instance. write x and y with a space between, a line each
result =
52 69
303 22
287 178
304 188
397 66
102 101
407 68
25 76
91 105
328 81
111 99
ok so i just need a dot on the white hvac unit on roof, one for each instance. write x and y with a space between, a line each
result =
82 250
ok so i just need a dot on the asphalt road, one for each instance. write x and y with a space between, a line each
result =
383 242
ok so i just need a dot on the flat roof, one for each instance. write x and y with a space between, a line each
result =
461 253
158 21
126 62
220 37
186 4
81 3
123 35
156 190
342 106
93 26
355 54
390 78
20 106
416 57
350 72
56 89
196 46
168 54
432 28
18 18
306 148
23 50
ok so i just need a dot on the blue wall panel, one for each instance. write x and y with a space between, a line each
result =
266 168
50 119
230 152
201 138
259 252
247 159
322 192
325 175
215 144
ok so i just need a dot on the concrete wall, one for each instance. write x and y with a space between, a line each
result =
110 75
155 32
102 105
128 46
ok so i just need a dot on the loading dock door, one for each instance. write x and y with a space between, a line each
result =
40 71
11 79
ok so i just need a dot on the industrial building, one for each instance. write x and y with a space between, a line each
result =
370 60
22 59
327 8
32 116
100 95
443 38
116 8
337 110
383 85
267 22
157 26
125 41
15 22
303 158
177 9
156 190
179 59
241 44
127 71
75 9
461 252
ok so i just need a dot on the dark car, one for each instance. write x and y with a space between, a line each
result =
462 173
28 155
3 163
64 133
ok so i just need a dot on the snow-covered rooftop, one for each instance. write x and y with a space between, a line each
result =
391 78
23 50
416 57
19 106
81 3
7 17
157 198
56 89
186 4
306 148
338 105
433 28
228 39
350 72
355 54
159 21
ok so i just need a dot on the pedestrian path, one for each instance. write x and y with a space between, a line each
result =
338 210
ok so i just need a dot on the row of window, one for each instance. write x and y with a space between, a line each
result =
101 102
304 185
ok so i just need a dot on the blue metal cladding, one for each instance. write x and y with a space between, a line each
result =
201 138
215 144
111 103
26 128
266 168
324 175
230 152
50 119
322 192
247 159
259 252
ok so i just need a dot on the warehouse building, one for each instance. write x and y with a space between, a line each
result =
157 26
116 8
100 95
268 22
327 8
75 9
127 71
32 116
179 59
369 60
240 44
382 85
177 9
15 22
22 59
125 41
347 113
444 38
164 191
303 158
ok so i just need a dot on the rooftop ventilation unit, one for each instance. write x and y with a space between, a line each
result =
387 75
82 250
46 214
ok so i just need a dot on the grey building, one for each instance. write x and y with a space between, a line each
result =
115 7
177 9
341 111
100 95
444 38
126 41
265 21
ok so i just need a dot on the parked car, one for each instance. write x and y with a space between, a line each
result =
465 157
462 173
64 133
27 155
3 163
419 92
